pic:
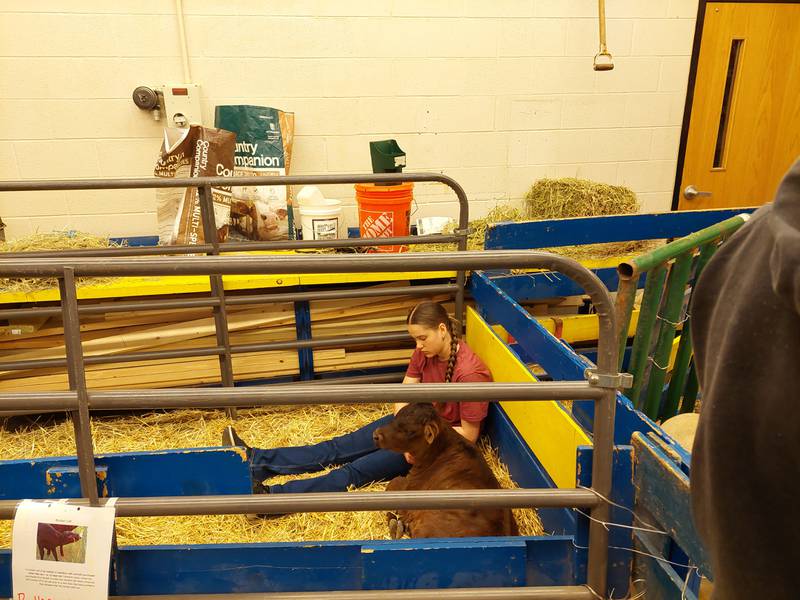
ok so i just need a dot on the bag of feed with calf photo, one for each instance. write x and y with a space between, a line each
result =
264 138
196 151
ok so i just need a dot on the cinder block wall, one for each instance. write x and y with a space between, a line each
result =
495 94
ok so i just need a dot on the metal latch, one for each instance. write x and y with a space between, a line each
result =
616 381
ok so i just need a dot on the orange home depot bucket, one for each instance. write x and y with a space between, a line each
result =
384 211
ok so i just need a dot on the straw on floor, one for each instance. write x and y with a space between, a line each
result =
268 427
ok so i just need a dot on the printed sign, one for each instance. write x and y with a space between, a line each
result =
377 224
61 552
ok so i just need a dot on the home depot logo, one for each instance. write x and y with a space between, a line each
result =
378 224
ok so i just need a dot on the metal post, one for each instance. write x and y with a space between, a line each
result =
670 313
644 329
626 293
603 454
681 370
690 393
77 382
217 290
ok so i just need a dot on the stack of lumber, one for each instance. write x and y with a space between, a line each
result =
141 331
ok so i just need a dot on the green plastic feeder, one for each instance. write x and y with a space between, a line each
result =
387 157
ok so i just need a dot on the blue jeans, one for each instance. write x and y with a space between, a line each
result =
362 462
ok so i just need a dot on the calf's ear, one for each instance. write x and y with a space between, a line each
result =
431 431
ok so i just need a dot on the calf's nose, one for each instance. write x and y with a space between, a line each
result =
377 437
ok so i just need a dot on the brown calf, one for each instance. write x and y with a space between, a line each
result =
443 460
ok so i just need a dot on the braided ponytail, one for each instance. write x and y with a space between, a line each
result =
451 362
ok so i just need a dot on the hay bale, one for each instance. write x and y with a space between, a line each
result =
58 240
571 197
48 436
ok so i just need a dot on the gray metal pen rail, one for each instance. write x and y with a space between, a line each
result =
600 387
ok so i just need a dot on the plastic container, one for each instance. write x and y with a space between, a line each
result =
384 211
320 219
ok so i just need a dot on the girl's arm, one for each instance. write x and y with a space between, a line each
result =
469 429
406 379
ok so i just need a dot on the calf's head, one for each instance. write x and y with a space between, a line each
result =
414 428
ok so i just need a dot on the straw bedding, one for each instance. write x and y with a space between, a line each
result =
58 240
268 427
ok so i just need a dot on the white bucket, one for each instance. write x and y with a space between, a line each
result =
320 219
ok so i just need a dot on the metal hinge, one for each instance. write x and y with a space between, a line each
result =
616 381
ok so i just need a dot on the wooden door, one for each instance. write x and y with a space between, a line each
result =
744 130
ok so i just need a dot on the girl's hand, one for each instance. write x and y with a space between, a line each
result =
409 458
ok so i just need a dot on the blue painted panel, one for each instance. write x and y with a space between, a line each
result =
551 561
663 490
135 240
533 286
237 568
591 230
179 473
555 356
401 564
65 482
620 561
662 581
472 562
525 468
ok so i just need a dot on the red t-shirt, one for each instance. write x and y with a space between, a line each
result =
468 368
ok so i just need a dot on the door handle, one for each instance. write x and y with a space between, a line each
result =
691 192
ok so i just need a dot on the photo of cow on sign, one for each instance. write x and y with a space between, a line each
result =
58 542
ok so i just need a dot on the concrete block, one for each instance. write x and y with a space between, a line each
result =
348 153
57 159
563 75
601 145
499 8
559 8
635 8
8 163
29 204
112 225
648 176
682 9
42 34
549 37
655 202
149 35
18 227
665 143
474 149
90 7
663 37
593 110
101 119
426 9
653 110
542 147
423 38
630 74
309 155
674 75
105 202
516 113
583 37
513 76
128 157
26 120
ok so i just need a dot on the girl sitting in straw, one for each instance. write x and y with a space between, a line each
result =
440 357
